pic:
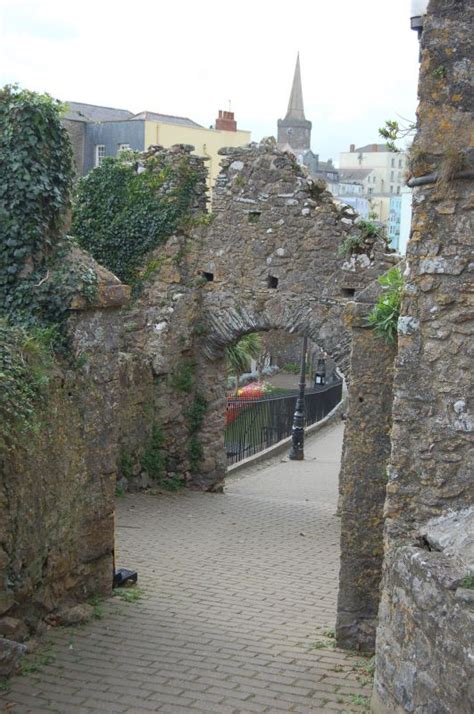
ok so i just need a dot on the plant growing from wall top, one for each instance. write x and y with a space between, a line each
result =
385 314
128 206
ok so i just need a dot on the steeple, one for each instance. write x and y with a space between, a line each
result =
295 105
295 130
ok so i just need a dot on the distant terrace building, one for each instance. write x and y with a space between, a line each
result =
382 173
97 132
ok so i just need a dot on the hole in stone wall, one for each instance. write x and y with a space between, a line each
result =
348 292
361 399
254 216
209 276
272 282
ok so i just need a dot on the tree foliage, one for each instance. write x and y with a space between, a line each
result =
394 131
240 354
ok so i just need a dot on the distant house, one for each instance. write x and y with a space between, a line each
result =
97 132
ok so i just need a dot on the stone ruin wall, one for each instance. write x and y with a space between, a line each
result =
269 220
363 477
425 639
57 489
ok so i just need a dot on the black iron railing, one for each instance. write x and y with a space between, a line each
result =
255 424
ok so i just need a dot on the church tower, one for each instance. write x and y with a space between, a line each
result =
295 130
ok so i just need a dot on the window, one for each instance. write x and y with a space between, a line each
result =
272 282
370 190
400 163
398 189
391 189
99 154
123 147
392 175
393 163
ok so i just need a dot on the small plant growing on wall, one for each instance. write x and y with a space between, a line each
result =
153 461
385 314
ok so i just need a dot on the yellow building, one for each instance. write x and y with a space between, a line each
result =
206 142
97 132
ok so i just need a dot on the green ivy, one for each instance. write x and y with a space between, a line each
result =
26 366
195 453
385 314
183 378
41 269
196 412
122 213
153 460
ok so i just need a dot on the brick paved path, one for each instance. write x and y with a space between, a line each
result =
237 591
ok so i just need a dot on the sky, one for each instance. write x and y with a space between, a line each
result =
359 60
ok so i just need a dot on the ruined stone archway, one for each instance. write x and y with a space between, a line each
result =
321 323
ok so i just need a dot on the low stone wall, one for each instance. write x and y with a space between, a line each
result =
428 629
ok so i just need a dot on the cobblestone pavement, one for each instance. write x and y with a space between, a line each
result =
238 591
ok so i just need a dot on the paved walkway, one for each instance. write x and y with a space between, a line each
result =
238 591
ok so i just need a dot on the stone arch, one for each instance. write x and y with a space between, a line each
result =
320 322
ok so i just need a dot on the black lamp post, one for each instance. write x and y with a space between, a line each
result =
297 430
320 374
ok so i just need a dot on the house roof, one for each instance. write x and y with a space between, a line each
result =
167 119
372 148
93 112
354 175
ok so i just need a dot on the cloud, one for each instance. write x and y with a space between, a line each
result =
359 60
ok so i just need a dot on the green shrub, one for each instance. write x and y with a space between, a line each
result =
291 367
120 215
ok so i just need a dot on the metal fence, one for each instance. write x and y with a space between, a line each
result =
255 424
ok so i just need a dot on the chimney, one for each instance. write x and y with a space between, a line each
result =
225 121
352 147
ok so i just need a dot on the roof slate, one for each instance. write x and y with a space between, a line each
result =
93 113
167 119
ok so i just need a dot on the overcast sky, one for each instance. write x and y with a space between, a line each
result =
359 59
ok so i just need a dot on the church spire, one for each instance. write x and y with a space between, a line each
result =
295 105
294 131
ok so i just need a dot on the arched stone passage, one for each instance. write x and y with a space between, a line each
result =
321 323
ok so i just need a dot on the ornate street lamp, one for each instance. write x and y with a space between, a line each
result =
297 430
320 374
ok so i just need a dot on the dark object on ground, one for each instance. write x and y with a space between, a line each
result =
122 576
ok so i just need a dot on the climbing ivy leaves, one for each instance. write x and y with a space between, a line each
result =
128 206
